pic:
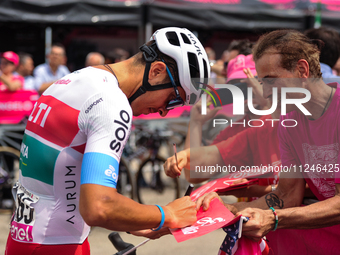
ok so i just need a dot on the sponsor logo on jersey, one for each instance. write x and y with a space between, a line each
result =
93 104
62 81
121 131
112 172
46 113
24 150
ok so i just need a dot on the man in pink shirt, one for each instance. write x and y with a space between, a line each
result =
309 151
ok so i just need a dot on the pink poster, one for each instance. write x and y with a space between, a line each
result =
217 216
227 183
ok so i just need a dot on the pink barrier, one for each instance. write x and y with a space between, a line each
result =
14 106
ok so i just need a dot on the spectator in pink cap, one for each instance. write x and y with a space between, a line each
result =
8 80
237 65
239 69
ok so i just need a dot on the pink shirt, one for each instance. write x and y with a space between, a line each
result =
313 146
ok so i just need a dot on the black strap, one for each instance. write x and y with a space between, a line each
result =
150 55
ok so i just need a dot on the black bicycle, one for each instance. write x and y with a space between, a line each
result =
125 182
152 184
10 144
122 247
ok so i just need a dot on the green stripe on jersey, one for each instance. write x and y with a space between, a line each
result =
37 160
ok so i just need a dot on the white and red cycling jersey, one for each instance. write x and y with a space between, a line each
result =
74 135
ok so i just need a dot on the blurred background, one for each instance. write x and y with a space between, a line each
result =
31 26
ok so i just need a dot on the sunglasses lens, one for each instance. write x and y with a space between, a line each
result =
178 102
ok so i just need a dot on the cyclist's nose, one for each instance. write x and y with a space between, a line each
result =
163 112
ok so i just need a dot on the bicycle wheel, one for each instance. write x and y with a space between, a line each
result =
125 182
11 135
9 169
153 186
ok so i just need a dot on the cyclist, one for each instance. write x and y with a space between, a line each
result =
74 140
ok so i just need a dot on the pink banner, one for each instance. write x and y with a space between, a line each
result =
14 106
217 216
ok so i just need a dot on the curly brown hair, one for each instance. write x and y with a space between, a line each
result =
292 45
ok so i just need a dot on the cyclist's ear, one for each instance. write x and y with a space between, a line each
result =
158 72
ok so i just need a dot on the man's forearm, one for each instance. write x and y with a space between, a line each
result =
273 199
11 85
250 191
194 135
44 86
318 215
201 159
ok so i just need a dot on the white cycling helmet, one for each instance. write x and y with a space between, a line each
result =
192 60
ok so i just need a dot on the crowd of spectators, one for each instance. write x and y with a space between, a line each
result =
18 72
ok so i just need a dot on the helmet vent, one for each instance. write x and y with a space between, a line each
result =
172 38
193 65
185 39
206 74
193 98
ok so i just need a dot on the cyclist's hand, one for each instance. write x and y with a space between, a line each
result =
196 112
205 200
259 224
170 166
182 212
152 234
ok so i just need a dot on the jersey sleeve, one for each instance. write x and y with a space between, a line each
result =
106 121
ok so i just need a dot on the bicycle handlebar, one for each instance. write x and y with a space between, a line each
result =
120 245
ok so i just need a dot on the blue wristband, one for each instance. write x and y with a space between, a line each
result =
162 220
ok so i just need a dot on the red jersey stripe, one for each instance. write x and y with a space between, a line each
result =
54 121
